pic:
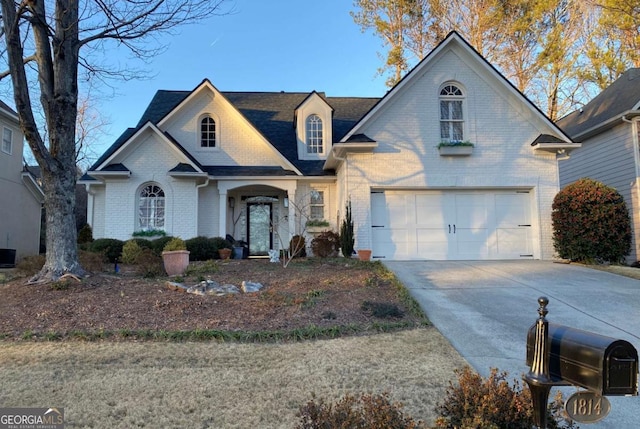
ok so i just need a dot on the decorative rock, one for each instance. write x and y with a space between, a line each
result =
274 255
199 289
249 287
176 286
222 290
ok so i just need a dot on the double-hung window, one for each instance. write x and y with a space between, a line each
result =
151 208
315 143
317 205
451 114
7 140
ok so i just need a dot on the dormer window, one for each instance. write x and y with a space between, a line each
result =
207 132
451 113
315 142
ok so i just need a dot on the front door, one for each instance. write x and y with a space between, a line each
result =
260 230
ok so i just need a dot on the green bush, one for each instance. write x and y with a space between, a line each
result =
205 248
149 264
590 223
326 244
366 412
158 244
174 244
297 247
492 403
85 235
130 251
109 247
347 240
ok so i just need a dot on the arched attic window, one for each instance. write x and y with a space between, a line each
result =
451 113
315 141
151 207
207 132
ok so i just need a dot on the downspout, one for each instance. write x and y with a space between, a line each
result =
90 204
635 185
202 185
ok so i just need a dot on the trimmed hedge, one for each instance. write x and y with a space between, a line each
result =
591 223
109 247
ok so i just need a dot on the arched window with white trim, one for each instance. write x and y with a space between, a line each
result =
208 132
451 113
151 205
315 142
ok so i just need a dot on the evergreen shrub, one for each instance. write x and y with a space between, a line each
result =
591 223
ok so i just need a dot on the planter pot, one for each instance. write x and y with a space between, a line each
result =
175 262
364 254
455 150
224 253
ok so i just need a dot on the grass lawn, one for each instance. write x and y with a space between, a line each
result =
222 385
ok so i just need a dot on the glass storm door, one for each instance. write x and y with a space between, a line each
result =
259 223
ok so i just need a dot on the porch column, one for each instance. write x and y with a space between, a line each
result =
222 216
292 213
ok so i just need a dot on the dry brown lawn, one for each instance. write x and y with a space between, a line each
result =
222 385
121 382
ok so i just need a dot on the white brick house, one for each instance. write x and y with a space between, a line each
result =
258 165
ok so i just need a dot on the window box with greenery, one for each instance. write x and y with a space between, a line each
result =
149 234
317 225
175 257
455 148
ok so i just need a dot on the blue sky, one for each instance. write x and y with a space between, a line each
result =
265 45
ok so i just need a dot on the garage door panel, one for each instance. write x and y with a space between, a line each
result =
431 210
514 242
474 224
471 243
470 211
432 243
391 243
512 210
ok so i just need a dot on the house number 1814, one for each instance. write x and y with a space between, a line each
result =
587 407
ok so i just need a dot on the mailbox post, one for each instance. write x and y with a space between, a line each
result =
560 356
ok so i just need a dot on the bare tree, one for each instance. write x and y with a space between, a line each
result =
54 44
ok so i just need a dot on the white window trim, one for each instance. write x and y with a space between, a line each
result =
325 201
139 227
198 133
462 98
10 151
308 145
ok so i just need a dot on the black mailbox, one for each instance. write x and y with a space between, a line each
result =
603 364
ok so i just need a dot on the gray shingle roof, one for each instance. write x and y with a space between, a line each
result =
271 113
621 96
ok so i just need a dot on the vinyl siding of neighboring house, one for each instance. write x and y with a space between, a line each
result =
20 210
610 157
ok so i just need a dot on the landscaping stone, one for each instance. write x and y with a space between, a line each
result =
250 287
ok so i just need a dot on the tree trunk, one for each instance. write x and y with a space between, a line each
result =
62 254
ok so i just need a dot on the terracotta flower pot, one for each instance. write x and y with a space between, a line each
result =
175 262
224 253
364 254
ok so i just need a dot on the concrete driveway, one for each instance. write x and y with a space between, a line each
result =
484 308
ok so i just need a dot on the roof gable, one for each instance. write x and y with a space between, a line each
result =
476 62
611 104
113 157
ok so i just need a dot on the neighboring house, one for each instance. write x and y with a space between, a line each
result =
20 196
608 129
211 163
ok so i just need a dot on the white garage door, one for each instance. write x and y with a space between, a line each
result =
451 225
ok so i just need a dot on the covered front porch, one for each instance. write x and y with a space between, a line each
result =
259 215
